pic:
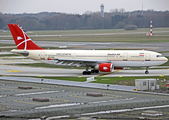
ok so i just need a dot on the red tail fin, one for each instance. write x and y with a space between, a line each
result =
21 39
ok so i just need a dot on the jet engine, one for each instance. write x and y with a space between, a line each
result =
105 67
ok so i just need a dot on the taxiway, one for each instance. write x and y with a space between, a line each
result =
15 70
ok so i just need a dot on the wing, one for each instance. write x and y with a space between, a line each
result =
79 62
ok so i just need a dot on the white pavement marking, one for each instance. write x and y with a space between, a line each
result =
61 105
115 100
45 92
3 96
54 117
125 110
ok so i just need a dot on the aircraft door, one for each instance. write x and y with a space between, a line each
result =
125 56
147 57
74 56
42 55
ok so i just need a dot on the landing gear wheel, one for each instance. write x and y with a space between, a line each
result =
94 71
146 72
86 73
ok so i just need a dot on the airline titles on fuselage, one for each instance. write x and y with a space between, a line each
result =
63 54
108 55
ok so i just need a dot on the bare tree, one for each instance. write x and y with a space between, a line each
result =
121 10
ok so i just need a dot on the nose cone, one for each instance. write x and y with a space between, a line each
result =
165 59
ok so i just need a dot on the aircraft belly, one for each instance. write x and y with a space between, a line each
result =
136 63
127 63
153 63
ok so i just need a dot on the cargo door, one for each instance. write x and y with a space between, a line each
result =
125 56
147 57
74 56
42 55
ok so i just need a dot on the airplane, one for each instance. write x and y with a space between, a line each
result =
98 60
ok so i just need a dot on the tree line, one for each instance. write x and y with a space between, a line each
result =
89 20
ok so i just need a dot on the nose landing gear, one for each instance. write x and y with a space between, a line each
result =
146 72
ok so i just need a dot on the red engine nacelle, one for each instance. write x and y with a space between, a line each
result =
105 67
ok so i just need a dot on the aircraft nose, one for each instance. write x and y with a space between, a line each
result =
165 59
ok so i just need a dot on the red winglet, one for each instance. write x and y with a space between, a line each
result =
21 39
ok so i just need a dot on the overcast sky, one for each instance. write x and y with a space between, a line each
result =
79 6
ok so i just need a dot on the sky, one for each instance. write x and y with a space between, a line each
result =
79 6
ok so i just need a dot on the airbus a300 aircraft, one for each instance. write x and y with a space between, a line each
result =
98 60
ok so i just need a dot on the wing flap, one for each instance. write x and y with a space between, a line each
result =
80 62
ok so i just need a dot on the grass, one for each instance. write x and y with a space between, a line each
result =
164 52
77 79
129 81
9 55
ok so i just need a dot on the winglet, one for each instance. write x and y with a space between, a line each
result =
21 39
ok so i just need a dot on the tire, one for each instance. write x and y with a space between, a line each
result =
92 71
88 73
84 73
96 71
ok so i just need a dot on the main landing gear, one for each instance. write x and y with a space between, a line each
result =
89 72
94 71
146 72
86 73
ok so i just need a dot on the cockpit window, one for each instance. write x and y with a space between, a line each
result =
159 55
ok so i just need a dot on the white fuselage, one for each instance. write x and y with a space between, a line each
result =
119 58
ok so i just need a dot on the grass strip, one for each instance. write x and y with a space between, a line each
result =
129 81
9 55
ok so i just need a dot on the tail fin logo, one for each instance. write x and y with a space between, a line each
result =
24 40
19 38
